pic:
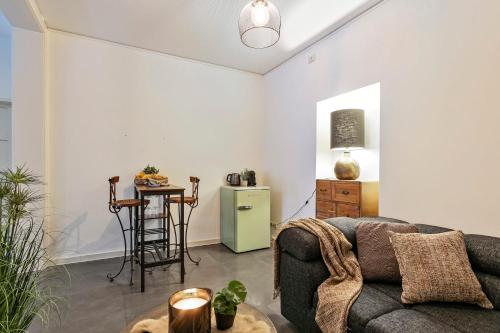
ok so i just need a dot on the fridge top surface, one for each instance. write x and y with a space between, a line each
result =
246 188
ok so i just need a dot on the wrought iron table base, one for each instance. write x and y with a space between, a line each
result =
152 246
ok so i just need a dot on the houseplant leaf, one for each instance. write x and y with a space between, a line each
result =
238 289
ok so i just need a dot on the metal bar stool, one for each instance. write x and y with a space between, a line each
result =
192 202
115 207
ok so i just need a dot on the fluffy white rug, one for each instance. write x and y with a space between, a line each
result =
242 324
151 326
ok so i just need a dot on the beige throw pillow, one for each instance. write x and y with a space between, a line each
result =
435 267
375 253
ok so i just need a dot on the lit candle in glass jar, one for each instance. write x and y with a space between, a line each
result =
189 303
189 311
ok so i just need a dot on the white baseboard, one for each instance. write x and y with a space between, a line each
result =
204 242
86 257
114 254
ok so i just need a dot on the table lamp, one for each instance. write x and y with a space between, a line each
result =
347 132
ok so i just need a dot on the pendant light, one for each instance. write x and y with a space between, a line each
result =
259 24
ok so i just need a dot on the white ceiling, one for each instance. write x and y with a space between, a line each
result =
22 14
205 30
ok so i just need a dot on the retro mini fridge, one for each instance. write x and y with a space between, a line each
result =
245 218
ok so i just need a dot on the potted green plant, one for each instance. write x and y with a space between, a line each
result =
226 304
24 273
244 177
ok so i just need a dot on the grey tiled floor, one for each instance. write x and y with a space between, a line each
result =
92 304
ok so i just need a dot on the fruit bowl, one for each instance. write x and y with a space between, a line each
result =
140 181
157 183
150 176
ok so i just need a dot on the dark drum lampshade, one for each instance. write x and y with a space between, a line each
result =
347 129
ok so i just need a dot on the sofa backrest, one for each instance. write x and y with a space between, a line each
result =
484 257
483 251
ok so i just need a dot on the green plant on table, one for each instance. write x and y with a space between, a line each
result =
25 291
150 170
245 174
227 300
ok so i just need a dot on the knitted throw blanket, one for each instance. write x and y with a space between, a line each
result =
337 293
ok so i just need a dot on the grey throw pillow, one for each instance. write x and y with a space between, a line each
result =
375 252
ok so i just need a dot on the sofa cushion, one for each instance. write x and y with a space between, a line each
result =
491 287
379 219
394 291
370 304
484 256
431 229
436 268
375 253
484 253
309 249
463 317
348 227
405 321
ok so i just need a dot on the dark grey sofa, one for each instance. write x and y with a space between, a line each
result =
379 308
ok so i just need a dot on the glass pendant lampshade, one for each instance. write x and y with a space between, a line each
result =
259 24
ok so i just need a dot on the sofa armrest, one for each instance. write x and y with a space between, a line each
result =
300 244
299 281
305 246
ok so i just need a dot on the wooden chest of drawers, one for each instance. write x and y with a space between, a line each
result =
335 198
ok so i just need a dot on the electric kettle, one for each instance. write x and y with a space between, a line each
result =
233 179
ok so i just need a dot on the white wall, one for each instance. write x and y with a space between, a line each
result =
28 100
5 67
437 62
5 95
5 137
114 109
366 99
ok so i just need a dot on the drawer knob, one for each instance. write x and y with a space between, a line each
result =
345 192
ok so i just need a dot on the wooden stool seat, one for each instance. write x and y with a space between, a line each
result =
128 203
187 200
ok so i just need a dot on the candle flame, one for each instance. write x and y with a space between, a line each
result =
190 303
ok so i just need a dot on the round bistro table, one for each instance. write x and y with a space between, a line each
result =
248 319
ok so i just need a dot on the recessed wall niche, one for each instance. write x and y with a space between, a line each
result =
366 98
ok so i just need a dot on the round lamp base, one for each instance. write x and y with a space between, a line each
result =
346 168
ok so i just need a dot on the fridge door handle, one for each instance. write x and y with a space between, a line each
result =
247 207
